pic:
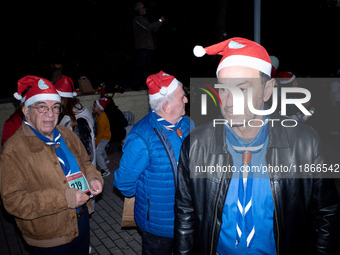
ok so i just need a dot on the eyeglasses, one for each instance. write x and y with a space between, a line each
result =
44 109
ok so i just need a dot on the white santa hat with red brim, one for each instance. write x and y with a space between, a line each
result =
238 52
32 89
65 87
161 84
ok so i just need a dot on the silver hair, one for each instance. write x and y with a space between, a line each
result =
157 104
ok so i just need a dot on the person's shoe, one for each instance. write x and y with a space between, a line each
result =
105 173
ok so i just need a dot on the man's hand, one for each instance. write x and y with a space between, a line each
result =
95 187
81 198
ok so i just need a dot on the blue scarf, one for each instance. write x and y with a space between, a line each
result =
175 127
244 203
56 146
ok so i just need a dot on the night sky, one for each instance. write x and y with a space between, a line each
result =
94 37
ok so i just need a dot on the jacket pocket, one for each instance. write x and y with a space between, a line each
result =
148 212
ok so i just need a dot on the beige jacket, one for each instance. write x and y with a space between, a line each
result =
34 188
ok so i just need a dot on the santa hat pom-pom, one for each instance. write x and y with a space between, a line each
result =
199 51
74 94
17 96
163 91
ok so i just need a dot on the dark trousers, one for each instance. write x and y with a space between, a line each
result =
141 69
78 246
156 245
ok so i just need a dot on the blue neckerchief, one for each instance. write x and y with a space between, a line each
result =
244 204
167 124
256 144
56 146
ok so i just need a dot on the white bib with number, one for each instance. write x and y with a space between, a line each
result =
78 181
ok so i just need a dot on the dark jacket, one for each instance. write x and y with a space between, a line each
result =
143 32
306 210
117 122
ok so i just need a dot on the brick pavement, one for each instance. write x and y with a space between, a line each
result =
107 237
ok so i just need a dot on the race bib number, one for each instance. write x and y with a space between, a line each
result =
78 181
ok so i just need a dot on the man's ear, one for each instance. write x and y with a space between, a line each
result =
268 89
166 107
25 111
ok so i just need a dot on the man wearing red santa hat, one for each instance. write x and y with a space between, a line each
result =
240 210
148 167
46 177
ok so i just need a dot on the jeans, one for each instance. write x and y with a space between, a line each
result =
78 246
101 154
156 245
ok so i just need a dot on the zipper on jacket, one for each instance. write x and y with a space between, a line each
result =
167 152
215 215
275 209
148 212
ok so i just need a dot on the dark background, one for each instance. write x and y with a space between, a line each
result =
94 37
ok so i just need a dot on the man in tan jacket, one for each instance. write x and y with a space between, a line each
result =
46 177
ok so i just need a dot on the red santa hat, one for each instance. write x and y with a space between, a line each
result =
65 87
286 77
103 103
103 92
32 89
238 52
161 84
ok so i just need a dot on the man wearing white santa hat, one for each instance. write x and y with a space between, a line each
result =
240 210
148 167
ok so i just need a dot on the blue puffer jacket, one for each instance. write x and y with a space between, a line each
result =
148 171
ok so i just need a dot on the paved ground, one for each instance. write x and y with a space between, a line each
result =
107 237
